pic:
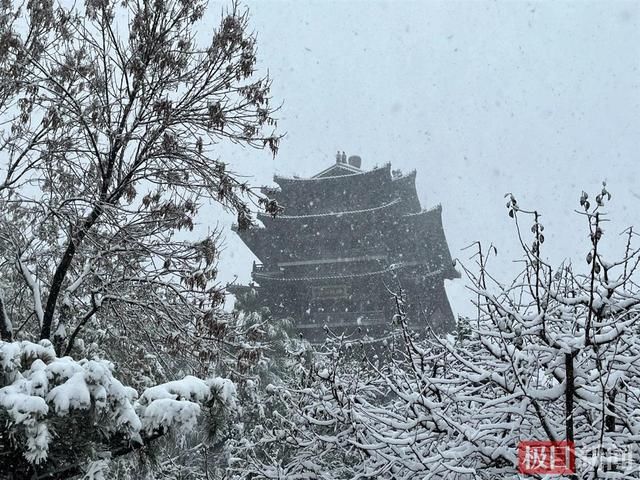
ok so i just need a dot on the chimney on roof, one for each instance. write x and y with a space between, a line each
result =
355 161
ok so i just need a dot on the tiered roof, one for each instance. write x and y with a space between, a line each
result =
371 221
346 192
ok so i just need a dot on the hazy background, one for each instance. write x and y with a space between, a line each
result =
482 98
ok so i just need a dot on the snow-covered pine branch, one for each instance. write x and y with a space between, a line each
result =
51 404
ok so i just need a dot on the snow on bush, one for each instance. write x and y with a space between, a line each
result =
37 386
553 355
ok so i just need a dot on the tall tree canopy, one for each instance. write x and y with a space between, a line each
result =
111 113
110 116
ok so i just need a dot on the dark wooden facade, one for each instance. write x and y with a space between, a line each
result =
345 238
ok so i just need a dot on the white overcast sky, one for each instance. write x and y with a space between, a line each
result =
483 98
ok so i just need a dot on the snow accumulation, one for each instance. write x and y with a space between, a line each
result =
35 384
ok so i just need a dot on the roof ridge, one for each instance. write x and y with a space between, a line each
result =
362 172
424 210
390 268
344 166
329 214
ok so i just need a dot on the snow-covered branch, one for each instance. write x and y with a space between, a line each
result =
51 402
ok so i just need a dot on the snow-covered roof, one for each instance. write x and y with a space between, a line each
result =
425 211
332 214
390 268
316 178
337 169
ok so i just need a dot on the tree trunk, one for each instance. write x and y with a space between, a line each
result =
569 394
63 267
6 328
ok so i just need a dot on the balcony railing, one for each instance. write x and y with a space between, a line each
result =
344 319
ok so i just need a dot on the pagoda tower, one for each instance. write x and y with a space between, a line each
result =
346 238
